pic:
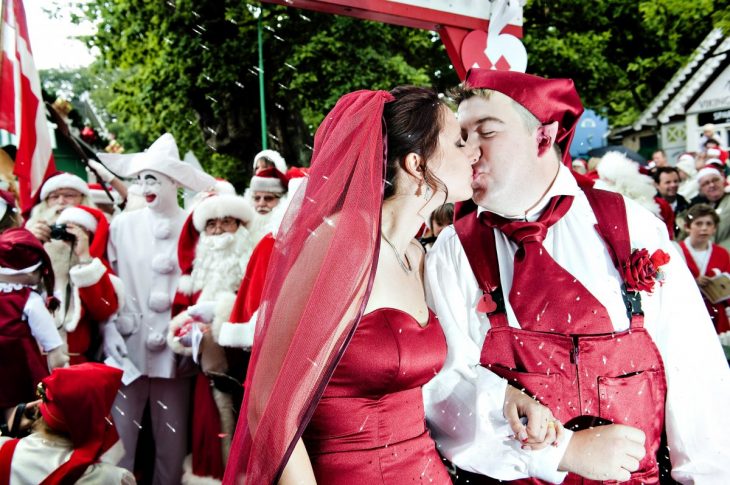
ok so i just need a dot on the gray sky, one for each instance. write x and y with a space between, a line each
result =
51 39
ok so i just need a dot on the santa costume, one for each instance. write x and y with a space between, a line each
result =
95 292
585 346
26 325
239 329
79 443
212 267
710 262
272 181
143 252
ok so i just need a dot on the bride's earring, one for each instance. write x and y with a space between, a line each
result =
418 190
427 192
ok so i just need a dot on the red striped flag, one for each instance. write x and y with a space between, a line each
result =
22 111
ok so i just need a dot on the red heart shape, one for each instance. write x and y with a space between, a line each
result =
486 304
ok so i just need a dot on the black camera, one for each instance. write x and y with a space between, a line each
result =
58 231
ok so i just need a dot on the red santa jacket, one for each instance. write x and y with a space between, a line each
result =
97 294
719 261
238 332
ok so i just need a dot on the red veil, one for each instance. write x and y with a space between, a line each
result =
318 283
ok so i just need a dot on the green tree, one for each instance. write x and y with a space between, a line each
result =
620 53
190 67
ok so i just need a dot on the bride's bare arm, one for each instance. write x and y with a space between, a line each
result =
298 470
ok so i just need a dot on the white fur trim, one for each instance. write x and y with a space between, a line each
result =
189 478
222 312
272 155
706 171
86 275
172 342
219 206
238 335
619 174
71 324
224 187
77 216
686 164
185 285
267 184
64 181
118 285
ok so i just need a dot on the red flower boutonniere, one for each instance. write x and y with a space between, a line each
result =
642 271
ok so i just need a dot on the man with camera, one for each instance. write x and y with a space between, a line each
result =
75 238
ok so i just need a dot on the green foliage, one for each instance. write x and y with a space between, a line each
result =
621 53
191 68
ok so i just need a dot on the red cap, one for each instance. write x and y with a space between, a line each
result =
21 250
78 400
548 100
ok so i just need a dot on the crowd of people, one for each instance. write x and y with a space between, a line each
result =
439 298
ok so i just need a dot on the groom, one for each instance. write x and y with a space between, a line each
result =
576 296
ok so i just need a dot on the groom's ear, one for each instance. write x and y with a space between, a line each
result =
545 137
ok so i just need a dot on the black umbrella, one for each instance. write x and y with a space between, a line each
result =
630 154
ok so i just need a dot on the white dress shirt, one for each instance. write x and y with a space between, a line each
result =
464 401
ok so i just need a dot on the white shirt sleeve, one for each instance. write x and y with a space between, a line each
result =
41 323
697 420
464 401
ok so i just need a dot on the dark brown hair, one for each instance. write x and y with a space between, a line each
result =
413 123
701 210
444 215
657 173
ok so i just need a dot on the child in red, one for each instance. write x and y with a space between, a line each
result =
704 258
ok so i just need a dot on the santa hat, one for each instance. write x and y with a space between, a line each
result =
64 180
223 186
708 170
272 155
686 163
713 153
7 202
77 400
162 157
94 221
715 162
270 180
212 207
548 100
21 253
98 195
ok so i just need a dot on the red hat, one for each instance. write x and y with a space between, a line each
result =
548 100
77 400
94 221
212 207
270 180
21 253
64 180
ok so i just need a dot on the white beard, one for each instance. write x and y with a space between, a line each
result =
220 262
263 224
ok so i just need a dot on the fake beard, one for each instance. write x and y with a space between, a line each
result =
220 262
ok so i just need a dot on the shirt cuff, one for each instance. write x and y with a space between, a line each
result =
544 464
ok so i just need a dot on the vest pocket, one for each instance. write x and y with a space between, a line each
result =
637 400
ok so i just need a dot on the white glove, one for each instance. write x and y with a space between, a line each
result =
58 357
114 345
104 173
203 311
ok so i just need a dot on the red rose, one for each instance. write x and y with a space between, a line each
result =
641 271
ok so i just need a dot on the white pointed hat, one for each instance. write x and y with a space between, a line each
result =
163 157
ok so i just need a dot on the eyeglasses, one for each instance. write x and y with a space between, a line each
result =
56 195
225 223
265 198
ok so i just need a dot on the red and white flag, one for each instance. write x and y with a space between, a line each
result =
22 111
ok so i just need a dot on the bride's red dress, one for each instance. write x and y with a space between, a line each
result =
369 426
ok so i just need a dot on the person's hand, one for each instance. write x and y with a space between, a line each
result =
114 344
58 357
702 281
542 428
104 173
41 230
608 452
203 311
81 244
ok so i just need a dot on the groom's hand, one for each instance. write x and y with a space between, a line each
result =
542 428
609 452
